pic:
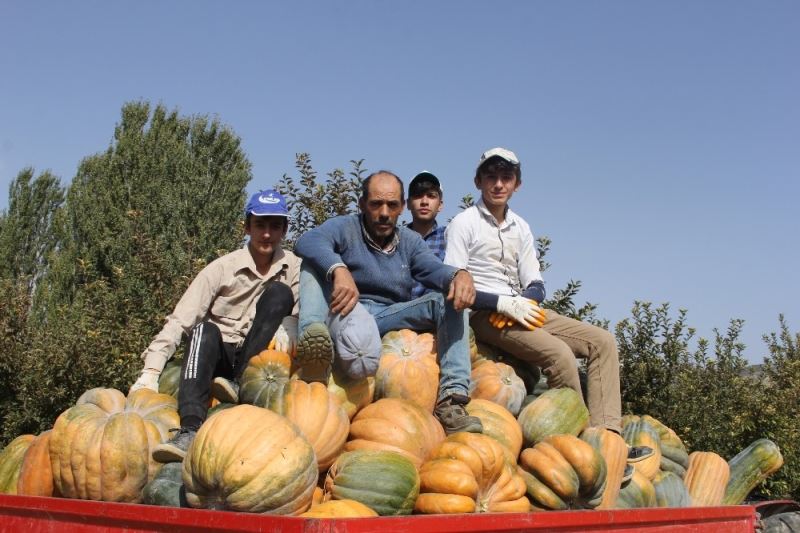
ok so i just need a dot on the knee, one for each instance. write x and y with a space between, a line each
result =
606 345
205 332
277 295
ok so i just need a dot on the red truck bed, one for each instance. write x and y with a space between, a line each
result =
27 513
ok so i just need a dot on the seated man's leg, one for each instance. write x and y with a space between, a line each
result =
273 305
599 347
314 345
432 312
206 357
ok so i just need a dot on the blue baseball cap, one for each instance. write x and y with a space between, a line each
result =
268 202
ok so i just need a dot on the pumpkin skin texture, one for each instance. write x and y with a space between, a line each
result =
386 482
36 473
266 376
469 473
250 459
499 424
166 489
614 450
355 394
498 383
637 493
750 467
706 478
564 473
170 379
638 432
339 509
396 425
670 491
673 452
408 368
555 412
11 463
100 448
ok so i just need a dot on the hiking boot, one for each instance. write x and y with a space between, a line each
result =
639 453
174 450
628 474
454 418
225 390
314 354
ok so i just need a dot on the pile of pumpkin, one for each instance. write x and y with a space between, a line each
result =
372 447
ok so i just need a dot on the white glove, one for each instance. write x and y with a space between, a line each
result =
148 380
285 339
524 311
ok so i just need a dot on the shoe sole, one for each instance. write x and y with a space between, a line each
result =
222 390
641 458
314 354
166 453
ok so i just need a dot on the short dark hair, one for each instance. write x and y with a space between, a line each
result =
423 186
497 163
365 185
250 215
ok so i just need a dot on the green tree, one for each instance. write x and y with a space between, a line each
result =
139 221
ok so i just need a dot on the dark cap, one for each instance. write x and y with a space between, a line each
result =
423 177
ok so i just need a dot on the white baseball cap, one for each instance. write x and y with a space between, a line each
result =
502 153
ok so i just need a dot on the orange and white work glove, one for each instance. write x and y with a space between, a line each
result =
148 380
521 310
285 339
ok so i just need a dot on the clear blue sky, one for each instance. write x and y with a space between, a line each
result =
660 141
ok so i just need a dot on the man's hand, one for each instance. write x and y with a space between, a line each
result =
148 380
526 312
285 339
344 295
462 291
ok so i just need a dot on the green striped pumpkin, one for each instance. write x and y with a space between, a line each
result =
555 412
166 489
670 491
750 467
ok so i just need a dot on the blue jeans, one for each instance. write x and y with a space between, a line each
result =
430 312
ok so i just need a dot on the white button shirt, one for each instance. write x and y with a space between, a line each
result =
500 257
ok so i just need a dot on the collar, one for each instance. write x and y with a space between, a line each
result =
244 261
391 247
432 231
483 210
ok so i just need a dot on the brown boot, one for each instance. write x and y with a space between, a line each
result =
314 357
454 418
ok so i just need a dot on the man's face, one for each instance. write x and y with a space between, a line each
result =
382 207
497 185
425 206
266 234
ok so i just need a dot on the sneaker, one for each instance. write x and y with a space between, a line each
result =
639 453
174 450
627 474
454 417
225 390
314 354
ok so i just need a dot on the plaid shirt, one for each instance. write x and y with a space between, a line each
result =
436 242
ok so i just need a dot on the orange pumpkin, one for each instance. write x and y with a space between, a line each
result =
355 394
250 459
615 453
396 425
499 424
706 478
408 368
674 457
339 509
498 383
100 448
638 432
11 463
469 473
564 472
36 474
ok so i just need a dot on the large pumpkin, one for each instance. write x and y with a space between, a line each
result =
408 368
497 382
670 490
499 424
36 473
563 472
615 453
166 489
750 467
674 457
384 481
636 493
100 449
639 432
355 394
339 509
469 473
265 377
706 478
250 459
556 412
396 425
11 463
170 379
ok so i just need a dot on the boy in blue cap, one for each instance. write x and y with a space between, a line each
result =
229 313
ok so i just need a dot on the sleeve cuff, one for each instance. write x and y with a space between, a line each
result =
329 273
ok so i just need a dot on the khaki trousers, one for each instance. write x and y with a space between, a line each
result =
554 347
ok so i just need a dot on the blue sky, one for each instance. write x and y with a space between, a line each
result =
660 141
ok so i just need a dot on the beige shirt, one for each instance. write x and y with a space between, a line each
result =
225 293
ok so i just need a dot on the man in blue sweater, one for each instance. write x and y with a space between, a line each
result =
368 259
